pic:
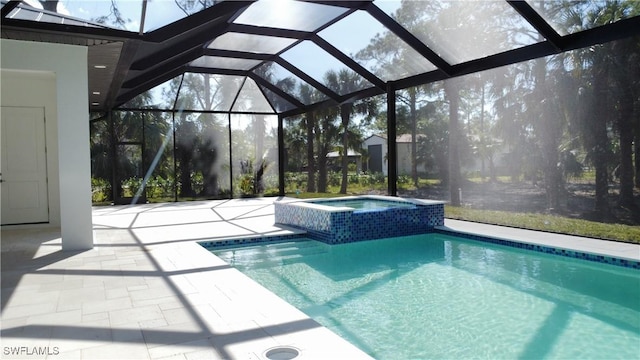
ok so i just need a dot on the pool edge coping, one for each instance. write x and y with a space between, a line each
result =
555 250
591 256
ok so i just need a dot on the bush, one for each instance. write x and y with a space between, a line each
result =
100 190
377 178
353 179
246 184
364 180
159 187
404 179
334 178
271 184
131 186
197 182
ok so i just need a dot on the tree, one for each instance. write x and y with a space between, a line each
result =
186 142
610 88
310 118
201 138
50 5
547 122
326 133
295 139
626 56
391 58
411 97
452 93
433 146
101 154
193 6
309 95
596 131
347 81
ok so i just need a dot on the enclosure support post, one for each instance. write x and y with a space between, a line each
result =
231 191
392 153
281 157
114 159
175 161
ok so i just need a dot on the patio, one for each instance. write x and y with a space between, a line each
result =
147 290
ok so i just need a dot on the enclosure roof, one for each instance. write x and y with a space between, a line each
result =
277 54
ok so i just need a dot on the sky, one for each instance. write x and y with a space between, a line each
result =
159 12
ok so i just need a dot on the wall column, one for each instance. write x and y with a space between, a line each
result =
69 64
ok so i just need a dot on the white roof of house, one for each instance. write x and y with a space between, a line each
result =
402 138
350 153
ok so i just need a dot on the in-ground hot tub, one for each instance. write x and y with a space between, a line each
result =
355 218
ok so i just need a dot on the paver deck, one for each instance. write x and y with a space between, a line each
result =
147 290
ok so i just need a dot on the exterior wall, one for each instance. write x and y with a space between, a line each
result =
404 158
38 89
70 177
404 154
377 140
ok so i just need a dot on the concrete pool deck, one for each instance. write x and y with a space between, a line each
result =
147 290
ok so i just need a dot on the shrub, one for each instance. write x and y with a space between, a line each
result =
159 187
334 178
353 179
377 178
404 179
100 190
131 186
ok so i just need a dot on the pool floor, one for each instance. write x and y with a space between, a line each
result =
438 296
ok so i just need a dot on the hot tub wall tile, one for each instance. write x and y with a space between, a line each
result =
342 226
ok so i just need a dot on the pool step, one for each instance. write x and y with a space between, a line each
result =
271 254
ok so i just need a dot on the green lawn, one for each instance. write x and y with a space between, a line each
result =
543 222
546 222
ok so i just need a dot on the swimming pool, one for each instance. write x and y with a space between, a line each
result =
439 296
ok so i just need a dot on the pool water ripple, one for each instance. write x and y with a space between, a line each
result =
436 296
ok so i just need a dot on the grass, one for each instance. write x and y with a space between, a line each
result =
542 222
551 223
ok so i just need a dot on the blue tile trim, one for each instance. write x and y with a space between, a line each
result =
216 244
338 226
545 249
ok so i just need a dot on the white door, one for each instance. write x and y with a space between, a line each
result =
25 198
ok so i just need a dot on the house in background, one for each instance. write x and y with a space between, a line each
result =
334 158
376 147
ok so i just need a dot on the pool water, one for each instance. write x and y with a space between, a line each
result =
435 296
365 204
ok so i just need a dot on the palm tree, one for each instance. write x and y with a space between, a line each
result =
326 132
609 89
626 56
295 139
310 95
347 81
